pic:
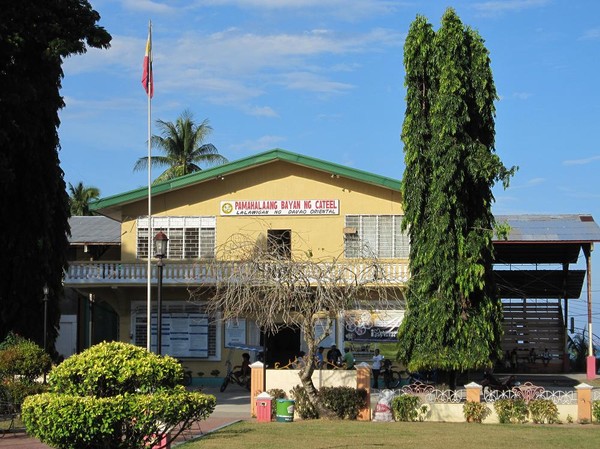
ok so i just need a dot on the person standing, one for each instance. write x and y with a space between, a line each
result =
348 359
376 367
319 357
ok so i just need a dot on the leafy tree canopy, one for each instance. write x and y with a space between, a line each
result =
80 197
183 146
36 36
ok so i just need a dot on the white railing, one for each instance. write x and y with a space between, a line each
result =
123 273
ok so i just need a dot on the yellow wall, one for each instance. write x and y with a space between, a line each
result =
323 234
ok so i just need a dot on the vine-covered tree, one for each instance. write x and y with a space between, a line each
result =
80 197
453 319
183 146
279 289
36 36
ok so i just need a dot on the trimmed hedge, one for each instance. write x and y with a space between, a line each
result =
114 395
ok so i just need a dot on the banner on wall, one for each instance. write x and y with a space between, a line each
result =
372 326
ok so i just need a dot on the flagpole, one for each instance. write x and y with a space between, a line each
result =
149 92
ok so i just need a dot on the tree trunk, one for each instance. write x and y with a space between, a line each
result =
308 370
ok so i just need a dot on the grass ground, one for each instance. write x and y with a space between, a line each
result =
352 434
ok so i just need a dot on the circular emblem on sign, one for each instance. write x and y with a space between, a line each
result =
227 208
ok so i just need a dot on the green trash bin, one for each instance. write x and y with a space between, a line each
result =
285 410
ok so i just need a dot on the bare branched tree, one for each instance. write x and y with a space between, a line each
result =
255 279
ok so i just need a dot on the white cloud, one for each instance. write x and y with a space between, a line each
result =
234 67
521 95
591 34
149 6
343 9
528 184
261 111
581 161
263 143
313 83
492 8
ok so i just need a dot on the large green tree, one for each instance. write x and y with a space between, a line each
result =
35 37
453 319
183 146
80 197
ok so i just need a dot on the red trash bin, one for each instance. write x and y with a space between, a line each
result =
263 407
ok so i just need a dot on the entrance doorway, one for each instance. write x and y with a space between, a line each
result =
282 346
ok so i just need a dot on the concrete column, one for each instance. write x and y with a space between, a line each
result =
584 402
256 385
473 392
363 380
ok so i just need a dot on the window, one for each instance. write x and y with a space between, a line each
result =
189 237
375 236
279 243
187 330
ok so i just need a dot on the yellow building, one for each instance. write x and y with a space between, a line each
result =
302 205
297 203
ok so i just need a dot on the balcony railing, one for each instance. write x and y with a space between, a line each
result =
188 273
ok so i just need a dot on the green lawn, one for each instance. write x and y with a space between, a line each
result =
352 434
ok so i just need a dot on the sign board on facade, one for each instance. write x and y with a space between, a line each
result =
183 334
235 332
281 207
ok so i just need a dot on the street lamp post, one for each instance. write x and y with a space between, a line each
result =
160 251
46 291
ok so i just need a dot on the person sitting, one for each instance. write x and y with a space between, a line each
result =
546 357
244 368
299 362
532 355
334 357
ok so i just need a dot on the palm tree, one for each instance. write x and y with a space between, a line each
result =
182 144
80 198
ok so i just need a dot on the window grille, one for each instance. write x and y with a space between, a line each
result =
189 237
378 236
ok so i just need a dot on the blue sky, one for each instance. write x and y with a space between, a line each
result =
325 78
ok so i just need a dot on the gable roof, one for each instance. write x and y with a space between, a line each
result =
241 165
94 230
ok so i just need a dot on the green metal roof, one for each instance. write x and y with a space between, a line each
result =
245 164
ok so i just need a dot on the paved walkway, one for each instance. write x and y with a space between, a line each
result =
233 405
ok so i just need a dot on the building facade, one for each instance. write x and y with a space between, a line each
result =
294 204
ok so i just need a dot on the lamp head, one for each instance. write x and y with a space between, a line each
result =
160 244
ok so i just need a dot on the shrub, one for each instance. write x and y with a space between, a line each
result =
475 411
110 369
596 411
275 393
345 402
113 395
405 407
23 358
16 390
543 411
511 410
303 406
